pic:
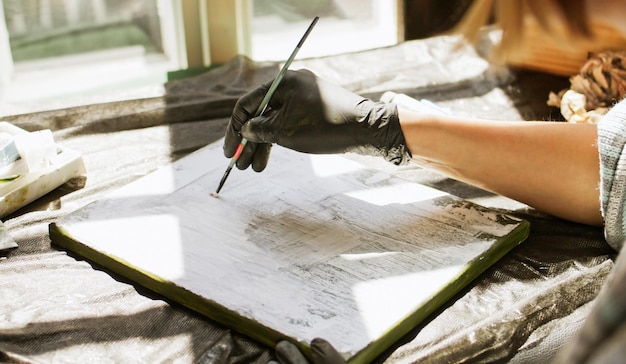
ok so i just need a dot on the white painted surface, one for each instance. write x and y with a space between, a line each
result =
303 247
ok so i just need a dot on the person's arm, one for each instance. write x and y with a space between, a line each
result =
551 166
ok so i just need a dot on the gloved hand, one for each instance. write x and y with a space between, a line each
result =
321 351
311 115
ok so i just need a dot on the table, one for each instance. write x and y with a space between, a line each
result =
56 307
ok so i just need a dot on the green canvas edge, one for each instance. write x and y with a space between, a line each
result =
270 337
203 306
471 271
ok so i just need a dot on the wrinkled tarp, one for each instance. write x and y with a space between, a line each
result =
56 307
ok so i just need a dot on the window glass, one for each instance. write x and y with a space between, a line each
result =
68 50
344 26
51 28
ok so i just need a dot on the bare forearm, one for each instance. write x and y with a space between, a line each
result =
551 166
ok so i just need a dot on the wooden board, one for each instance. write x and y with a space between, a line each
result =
315 246
542 53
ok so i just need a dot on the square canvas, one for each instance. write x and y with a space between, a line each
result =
314 246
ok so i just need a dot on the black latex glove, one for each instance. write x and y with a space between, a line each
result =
311 115
321 351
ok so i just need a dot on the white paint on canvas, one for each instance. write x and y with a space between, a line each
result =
315 246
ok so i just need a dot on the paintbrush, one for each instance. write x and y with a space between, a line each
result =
265 102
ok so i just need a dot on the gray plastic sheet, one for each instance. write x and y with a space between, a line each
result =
58 308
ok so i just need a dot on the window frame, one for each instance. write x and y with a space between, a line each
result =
6 59
227 24
195 33
172 34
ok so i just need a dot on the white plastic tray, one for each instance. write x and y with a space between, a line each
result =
30 186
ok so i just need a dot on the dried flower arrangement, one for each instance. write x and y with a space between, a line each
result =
600 83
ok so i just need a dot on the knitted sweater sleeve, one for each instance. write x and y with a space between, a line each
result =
611 147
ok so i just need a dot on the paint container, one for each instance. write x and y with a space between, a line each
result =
8 150
37 149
